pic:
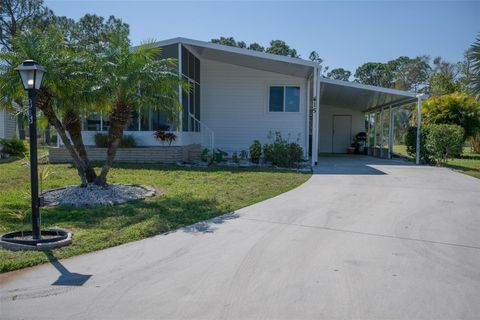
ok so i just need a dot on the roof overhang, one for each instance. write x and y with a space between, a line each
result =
246 58
362 97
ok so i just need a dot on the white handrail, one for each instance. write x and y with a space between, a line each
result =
207 135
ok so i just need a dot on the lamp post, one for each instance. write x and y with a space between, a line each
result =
31 74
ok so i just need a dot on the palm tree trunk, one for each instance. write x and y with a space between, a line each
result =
73 125
44 103
119 117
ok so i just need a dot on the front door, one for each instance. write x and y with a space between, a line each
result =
342 133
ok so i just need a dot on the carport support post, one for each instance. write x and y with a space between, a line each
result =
307 138
382 138
420 98
315 115
368 132
390 132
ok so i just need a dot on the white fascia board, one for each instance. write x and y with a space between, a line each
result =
253 53
370 87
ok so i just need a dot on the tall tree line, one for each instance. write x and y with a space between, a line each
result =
421 73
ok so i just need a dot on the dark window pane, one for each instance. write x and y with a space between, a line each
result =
170 51
197 70
292 99
192 98
191 65
160 120
276 99
184 61
185 109
145 120
197 101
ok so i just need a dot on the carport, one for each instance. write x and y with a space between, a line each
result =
347 108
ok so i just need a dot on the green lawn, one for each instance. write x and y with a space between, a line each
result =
468 163
190 195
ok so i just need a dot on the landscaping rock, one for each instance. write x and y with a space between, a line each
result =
93 195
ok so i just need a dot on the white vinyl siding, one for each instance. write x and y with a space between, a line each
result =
234 103
7 125
326 125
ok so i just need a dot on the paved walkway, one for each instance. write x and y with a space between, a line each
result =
362 239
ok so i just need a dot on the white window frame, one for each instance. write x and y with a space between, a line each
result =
269 86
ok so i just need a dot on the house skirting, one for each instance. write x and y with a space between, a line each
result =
164 154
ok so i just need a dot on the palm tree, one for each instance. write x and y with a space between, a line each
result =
133 80
64 90
474 60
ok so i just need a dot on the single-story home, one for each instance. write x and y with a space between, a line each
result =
239 95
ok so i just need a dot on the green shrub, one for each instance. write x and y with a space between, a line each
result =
410 140
456 108
282 153
127 141
13 146
235 157
219 155
255 151
444 141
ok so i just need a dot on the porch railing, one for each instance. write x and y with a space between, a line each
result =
207 136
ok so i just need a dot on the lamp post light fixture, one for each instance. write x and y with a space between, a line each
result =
31 74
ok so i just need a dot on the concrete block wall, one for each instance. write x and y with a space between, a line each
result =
167 154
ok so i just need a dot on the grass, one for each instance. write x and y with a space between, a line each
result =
467 163
190 195
470 166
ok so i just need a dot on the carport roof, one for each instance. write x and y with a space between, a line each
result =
357 96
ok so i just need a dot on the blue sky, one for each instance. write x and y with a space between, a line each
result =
345 34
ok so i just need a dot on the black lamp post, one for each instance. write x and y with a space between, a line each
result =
32 74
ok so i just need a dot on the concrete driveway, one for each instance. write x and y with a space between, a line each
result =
362 239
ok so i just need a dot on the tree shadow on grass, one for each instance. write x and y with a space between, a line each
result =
9 159
148 217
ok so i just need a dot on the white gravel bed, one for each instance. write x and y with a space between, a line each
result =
93 195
